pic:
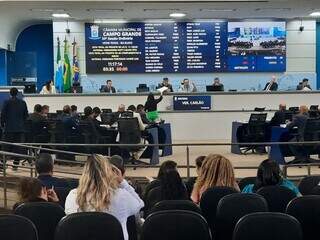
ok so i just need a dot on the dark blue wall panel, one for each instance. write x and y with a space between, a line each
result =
318 54
38 39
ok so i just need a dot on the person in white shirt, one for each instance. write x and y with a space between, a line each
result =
49 88
186 86
102 188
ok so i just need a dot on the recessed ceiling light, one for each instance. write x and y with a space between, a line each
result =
60 15
315 14
177 15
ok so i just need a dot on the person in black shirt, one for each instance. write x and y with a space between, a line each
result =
13 117
272 85
217 83
279 116
151 107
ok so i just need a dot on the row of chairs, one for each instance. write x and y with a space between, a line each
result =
247 219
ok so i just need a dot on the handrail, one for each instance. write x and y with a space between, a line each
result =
165 144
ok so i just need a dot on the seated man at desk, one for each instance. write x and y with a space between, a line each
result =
217 84
70 123
108 88
165 83
299 122
187 87
279 116
272 85
304 85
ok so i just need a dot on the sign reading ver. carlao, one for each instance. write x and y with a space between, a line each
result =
193 103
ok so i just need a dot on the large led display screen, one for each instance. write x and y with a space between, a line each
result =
185 47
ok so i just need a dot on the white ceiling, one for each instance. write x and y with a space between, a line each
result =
33 11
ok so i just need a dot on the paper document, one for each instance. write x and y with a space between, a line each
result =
163 89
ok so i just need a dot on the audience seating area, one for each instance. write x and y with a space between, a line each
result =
223 214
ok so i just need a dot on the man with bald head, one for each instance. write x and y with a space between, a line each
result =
272 85
279 116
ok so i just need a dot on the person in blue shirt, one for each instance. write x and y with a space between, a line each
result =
269 174
44 166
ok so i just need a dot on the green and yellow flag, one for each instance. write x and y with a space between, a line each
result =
67 69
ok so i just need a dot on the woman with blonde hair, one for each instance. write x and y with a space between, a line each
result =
102 188
216 171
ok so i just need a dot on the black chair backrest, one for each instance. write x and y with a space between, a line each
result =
267 226
307 184
277 197
316 190
246 181
89 225
312 130
259 109
306 210
258 118
62 194
108 118
209 202
232 208
186 205
44 215
294 110
106 110
155 183
175 225
152 198
13 227
129 131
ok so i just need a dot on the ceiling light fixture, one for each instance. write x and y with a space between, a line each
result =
315 14
177 15
60 15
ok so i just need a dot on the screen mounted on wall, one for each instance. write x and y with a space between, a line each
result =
185 47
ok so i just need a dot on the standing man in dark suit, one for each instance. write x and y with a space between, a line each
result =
13 117
279 116
299 122
109 88
272 85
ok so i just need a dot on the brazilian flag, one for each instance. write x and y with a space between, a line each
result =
67 69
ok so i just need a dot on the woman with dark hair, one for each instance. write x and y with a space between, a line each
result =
269 174
172 187
151 107
32 190
48 88
164 168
